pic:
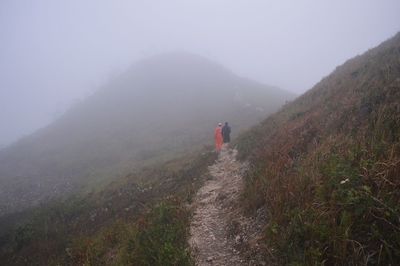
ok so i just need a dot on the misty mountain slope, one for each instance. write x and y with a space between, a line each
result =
139 219
159 107
326 167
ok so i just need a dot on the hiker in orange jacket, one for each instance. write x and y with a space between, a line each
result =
218 137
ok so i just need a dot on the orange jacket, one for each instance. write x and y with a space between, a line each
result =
218 138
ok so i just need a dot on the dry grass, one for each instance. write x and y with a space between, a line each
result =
327 165
126 223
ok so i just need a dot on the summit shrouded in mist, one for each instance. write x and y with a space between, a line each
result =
54 53
112 114
159 107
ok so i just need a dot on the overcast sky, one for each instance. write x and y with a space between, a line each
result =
53 53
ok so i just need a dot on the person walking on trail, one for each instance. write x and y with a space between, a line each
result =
226 133
218 137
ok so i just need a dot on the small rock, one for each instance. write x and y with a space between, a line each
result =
238 239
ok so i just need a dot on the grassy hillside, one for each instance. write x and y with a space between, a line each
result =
137 220
326 167
158 109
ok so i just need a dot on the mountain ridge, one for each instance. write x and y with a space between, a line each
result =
325 167
159 107
320 185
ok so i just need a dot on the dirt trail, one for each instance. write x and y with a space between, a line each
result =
217 224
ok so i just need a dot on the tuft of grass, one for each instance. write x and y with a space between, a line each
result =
156 238
160 238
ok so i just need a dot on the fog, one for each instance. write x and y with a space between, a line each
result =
54 53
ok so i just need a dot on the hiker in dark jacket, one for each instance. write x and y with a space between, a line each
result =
226 133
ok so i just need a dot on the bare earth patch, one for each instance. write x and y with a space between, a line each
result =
220 234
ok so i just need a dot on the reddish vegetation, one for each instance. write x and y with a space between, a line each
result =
326 166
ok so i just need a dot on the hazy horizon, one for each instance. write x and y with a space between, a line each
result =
55 53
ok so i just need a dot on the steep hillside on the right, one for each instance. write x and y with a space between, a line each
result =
326 167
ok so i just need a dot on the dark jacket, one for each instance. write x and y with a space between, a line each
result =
226 133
